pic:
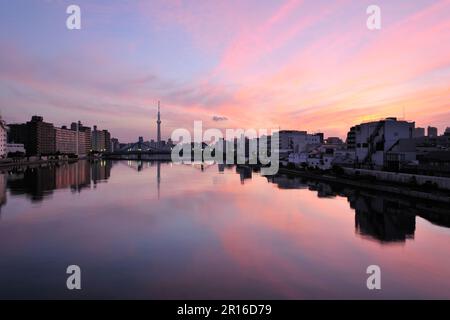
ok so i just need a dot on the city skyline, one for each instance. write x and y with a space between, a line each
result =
158 138
295 65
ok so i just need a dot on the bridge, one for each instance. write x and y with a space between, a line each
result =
141 150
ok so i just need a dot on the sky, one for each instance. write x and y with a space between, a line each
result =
289 64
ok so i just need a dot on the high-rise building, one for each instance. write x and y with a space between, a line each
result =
447 132
37 136
83 148
3 138
66 140
18 133
419 132
115 145
84 145
41 136
101 140
108 146
98 140
432 132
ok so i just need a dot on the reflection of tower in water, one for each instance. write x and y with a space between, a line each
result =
144 165
158 177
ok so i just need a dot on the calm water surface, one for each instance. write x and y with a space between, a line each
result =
157 230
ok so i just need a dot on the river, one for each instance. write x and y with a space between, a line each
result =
157 230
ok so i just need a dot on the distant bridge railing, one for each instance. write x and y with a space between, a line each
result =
137 152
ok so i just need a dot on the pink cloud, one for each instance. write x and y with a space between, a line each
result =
271 71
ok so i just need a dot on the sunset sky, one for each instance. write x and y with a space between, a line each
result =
309 65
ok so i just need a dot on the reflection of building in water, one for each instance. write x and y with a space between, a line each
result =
100 171
76 176
244 172
282 181
222 166
287 182
142 165
386 218
2 191
35 182
40 182
201 165
137 165
324 190
383 219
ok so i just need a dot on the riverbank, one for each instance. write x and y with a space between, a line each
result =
143 157
8 165
371 185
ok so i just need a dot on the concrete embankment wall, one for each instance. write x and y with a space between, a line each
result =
400 190
144 157
7 165
441 182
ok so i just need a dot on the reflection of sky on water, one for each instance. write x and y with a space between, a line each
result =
211 234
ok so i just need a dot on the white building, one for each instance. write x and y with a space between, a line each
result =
3 138
374 139
313 139
298 158
315 159
323 155
344 157
293 141
320 161
15 147
402 152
